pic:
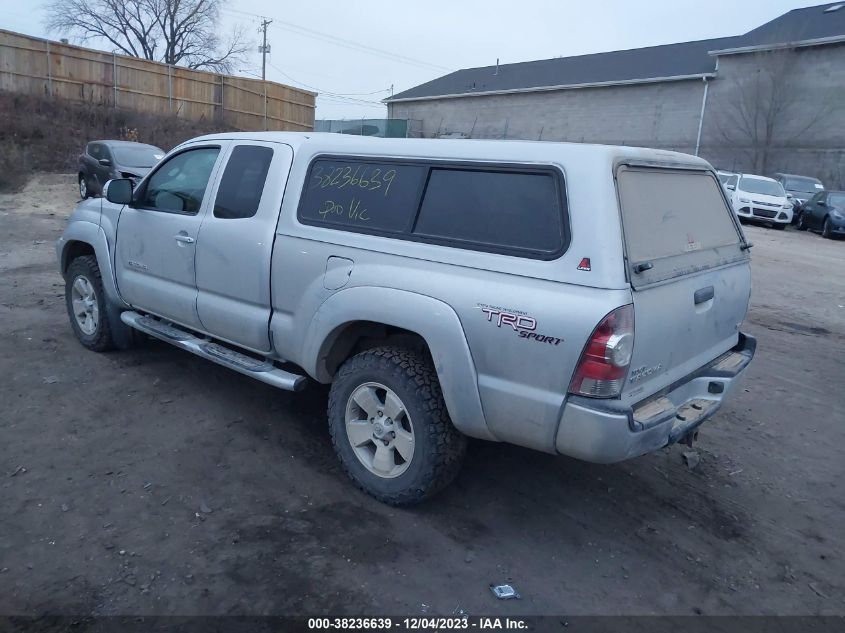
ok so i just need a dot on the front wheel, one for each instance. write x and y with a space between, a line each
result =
390 428
802 225
826 232
86 304
83 187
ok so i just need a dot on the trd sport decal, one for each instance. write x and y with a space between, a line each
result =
525 326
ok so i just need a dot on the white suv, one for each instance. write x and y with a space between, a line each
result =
760 199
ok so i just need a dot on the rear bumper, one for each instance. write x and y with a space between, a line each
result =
607 431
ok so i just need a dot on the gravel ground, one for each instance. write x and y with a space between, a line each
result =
153 482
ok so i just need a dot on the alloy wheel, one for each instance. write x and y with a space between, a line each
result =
85 309
379 429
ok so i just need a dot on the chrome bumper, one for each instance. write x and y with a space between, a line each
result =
606 431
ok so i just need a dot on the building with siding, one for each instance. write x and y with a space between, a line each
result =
770 100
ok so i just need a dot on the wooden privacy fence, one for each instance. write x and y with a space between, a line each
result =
36 66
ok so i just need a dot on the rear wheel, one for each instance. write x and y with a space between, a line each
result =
390 427
86 304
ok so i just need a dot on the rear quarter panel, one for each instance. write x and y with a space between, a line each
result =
521 381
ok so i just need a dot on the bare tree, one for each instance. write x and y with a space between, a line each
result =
178 32
766 109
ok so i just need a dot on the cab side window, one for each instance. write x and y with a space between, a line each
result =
243 182
179 184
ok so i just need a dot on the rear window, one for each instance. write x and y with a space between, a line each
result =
494 208
673 215
804 185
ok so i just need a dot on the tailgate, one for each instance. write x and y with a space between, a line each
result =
689 270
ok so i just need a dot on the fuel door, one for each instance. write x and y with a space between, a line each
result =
338 271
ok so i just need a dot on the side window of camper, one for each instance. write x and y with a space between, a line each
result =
512 210
362 196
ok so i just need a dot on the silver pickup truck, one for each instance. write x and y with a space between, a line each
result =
576 299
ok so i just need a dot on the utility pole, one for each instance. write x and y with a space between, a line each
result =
264 48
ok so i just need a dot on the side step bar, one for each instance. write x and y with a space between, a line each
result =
265 370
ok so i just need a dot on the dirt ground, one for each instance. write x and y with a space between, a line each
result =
153 482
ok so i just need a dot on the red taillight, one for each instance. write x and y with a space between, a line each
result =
606 357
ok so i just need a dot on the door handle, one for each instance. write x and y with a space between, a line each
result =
185 239
704 294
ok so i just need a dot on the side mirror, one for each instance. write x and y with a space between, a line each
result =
790 196
732 187
822 203
105 162
119 191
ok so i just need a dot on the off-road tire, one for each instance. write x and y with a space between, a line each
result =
439 447
101 340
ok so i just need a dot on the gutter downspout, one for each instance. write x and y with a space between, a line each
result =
701 117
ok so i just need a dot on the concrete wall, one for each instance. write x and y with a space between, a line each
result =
666 115
809 137
657 115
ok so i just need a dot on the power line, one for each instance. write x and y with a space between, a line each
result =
329 102
327 92
338 41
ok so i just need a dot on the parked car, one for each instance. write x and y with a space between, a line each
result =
801 188
824 212
761 199
444 290
728 180
103 160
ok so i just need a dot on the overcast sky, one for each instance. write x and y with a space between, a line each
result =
357 50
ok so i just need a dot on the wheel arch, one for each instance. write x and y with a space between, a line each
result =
86 238
362 317
74 249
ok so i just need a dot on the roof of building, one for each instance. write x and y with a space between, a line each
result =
686 60
811 24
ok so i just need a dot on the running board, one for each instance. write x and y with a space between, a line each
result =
263 370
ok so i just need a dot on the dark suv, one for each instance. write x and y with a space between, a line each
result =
103 160
801 188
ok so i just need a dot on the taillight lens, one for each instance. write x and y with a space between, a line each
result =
606 357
